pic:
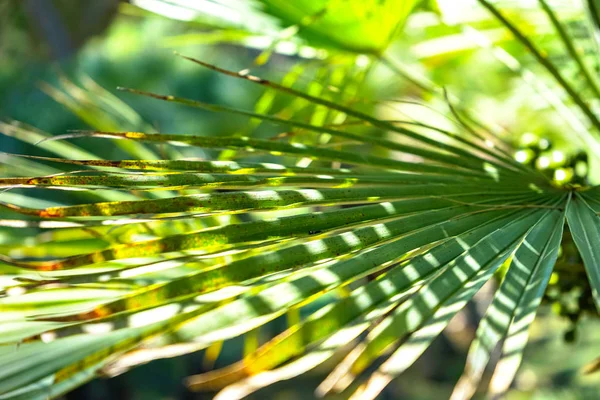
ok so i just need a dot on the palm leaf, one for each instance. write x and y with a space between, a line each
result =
325 266
583 222
178 255
513 307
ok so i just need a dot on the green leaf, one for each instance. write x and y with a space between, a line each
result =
61 359
332 318
407 219
241 315
514 306
441 298
359 26
584 224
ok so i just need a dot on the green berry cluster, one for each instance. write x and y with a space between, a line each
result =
569 293
562 167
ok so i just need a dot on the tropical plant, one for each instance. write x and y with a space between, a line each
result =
387 228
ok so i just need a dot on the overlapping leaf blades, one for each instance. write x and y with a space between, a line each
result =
177 254
432 233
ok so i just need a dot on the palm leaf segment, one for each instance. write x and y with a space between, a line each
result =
397 232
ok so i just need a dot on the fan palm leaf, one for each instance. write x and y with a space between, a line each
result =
408 219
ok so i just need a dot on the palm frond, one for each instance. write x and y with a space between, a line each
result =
151 258
492 209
